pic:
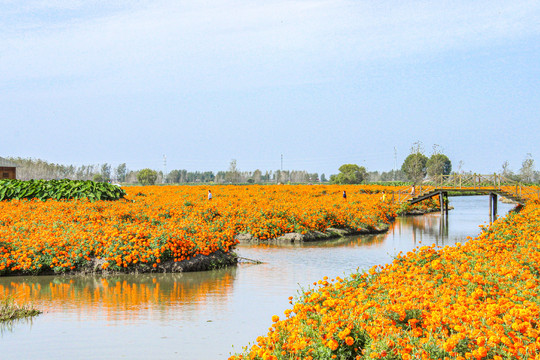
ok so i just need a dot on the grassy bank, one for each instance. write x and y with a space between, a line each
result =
477 300
9 310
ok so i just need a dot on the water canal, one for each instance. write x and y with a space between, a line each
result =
202 315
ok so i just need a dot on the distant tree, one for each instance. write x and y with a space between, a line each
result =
285 176
527 169
106 172
414 165
208 176
374 176
392 175
220 176
98 178
323 178
460 167
233 174
120 172
173 177
299 176
41 169
257 176
505 170
131 177
147 176
277 176
349 174
79 173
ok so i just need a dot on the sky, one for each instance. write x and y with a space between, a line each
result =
317 83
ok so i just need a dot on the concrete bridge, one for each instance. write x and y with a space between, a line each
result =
492 185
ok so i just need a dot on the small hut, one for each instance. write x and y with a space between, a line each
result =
8 170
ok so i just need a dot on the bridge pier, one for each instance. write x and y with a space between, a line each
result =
492 206
443 199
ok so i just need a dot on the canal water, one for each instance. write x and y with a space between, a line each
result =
206 315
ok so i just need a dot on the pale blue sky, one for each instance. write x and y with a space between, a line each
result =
322 82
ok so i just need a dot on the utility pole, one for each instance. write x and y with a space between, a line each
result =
395 162
281 171
164 167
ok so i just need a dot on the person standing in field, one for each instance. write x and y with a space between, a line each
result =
209 195
384 196
344 194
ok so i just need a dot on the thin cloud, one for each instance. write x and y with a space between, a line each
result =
220 42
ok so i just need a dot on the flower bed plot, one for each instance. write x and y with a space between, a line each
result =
153 225
478 300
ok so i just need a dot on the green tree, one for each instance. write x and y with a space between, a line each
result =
438 164
414 165
147 176
349 174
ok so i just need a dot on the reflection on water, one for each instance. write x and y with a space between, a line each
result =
431 227
354 240
121 298
10 325
200 315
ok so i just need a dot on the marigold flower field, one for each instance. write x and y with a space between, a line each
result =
477 300
154 223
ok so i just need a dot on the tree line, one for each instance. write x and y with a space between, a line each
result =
416 166
40 169
29 168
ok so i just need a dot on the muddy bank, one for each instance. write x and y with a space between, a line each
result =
313 235
216 260
416 212
330 233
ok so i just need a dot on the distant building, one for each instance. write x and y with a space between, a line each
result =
8 170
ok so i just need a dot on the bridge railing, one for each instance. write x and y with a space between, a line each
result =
527 193
405 193
478 181
469 181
